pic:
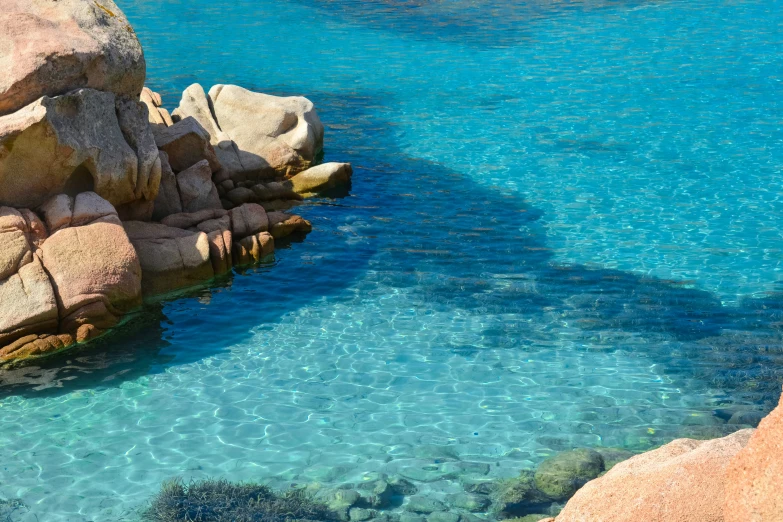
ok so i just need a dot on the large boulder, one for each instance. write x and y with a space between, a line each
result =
273 136
85 140
49 48
754 480
684 480
94 269
27 302
171 258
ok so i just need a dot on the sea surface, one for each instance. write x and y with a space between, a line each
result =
564 230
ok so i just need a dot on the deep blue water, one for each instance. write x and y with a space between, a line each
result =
564 230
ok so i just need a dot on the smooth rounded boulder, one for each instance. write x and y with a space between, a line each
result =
274 135
49 48
754 480
683 481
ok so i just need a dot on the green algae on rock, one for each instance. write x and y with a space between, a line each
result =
560 476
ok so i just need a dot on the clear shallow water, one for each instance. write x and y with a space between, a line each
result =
563 231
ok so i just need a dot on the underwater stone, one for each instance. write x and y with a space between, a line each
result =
434 451
469 501
411 517
403 487
614 456
424 505
443 516
378 494
517 496
361 514
560 476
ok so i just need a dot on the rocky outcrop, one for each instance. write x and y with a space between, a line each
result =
754 479
50 48
684 480
27 302
89 156
86 140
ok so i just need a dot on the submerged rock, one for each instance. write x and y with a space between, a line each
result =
683 480
469 502
50 48
517 496
560 476
421 504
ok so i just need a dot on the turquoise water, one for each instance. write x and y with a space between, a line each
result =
563 230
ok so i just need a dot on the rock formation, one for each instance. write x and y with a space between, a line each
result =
89 157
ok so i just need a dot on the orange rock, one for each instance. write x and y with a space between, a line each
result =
683 481
754 479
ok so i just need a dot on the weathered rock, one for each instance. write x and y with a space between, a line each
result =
186 143
273 135
401 486
220 243
248 219
58 211
27 302
321 177
421 504
32 345
50 48
275 190
754 478
152 101
253 249
188 220
196 190
681 481
94 269
282 224
85 140
560 476
168 200
171 258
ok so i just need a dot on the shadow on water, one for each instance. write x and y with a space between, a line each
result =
488 24
451 244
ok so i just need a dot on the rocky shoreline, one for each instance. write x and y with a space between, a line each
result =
107 199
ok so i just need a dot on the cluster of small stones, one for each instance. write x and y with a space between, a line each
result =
532 496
